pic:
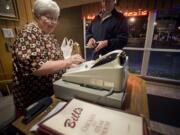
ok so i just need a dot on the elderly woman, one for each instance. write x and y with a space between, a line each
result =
36 58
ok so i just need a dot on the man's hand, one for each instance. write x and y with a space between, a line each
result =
101 44
91 43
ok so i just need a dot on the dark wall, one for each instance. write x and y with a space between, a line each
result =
70 25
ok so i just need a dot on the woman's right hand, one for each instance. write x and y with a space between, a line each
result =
75 59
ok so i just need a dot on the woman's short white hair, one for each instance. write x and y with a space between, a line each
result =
41 7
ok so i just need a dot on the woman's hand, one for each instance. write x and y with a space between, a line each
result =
75 60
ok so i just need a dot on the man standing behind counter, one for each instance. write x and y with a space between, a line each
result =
108 31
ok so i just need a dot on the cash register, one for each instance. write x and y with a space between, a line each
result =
102 81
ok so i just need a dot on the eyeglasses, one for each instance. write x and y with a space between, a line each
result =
50 18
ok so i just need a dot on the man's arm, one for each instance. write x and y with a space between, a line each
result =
89 33
89 37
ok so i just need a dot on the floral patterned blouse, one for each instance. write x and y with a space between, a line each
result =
31 49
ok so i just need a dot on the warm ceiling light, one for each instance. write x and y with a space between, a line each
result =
7 5
132 19
139 12
90 17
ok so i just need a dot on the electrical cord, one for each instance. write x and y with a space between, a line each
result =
110 92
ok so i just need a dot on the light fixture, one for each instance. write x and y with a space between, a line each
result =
138 12
90 17
132 19
7 5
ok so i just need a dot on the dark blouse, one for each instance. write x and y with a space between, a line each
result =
31 49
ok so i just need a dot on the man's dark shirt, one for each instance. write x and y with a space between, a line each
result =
114 29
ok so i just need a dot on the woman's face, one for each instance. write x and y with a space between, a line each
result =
47 22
